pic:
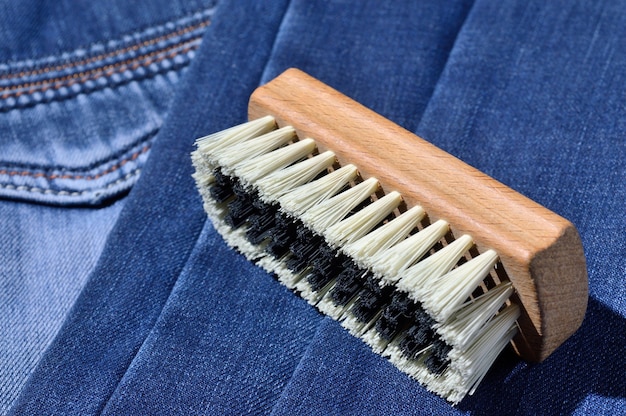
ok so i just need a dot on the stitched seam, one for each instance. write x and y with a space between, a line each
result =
122 51
81 77
112 169
145 138
34 189
106 69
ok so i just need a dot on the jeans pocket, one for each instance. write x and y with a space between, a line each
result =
78 126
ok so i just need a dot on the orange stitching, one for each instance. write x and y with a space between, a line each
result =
43 191
88 74
121 69
112 169
85 61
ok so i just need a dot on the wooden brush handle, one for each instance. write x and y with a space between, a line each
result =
540 251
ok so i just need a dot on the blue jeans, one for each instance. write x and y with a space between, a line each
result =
119 297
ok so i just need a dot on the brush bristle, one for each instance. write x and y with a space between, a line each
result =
415 294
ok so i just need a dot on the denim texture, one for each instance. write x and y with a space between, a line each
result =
81 103
41 275
165 319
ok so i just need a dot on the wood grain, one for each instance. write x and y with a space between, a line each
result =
540 251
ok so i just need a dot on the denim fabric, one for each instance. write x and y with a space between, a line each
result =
80 104
227 341
171 321
387 58
45 258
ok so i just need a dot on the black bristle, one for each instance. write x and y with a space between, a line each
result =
327 265
349 283
261 223
238 212
262 206
417 338
372 298
282 235
441 349
222 189
328 261
242 207
423 318
297 264
420 333
242 192
438 359
318 280
221 178
396 317
304 249
220 193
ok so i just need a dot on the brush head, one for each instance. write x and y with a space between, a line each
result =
392 237
540 251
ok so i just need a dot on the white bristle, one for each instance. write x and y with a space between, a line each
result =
203 170
260 145
204 179
466 324
384 237
446 295
359 224
198 162
302 198
256 168
389 263
358 327
278 183
376 342
333 210
242 132
422 275
474 362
